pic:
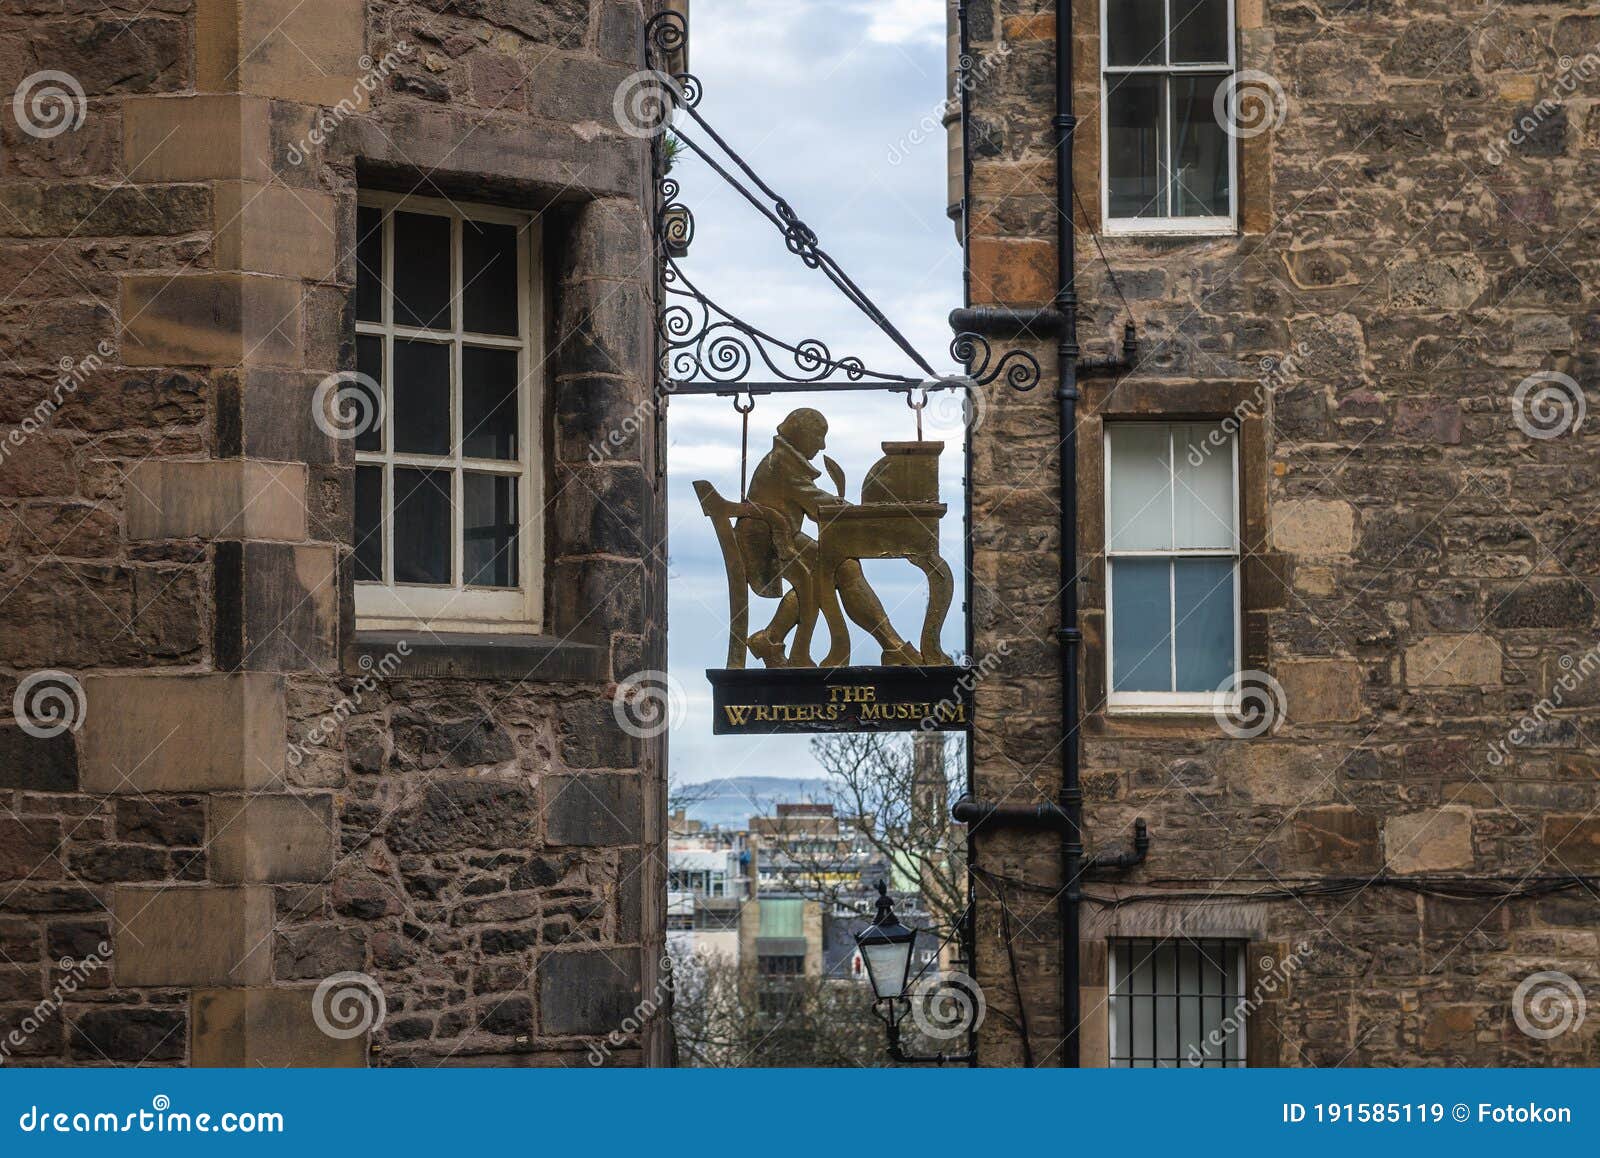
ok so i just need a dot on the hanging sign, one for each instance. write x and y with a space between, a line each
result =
767 550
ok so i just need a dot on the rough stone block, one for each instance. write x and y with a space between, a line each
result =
38 763
266 1027
1313 527
196 138
129 1035
199 935
210 319
169 733
228 498
1322 691
592 811
1437 840
272 838
1575 840
273 229
1333 839
1449 660
589 992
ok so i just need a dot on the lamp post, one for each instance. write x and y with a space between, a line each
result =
886 947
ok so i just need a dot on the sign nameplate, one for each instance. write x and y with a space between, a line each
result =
905 698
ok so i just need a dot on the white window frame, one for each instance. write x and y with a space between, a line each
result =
1241 949
1172 226
1173 703
456 607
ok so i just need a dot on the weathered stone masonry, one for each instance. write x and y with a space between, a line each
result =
1418 567
258 797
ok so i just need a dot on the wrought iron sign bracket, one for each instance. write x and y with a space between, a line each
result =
707 349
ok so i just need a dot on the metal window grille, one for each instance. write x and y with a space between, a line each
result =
1177 1003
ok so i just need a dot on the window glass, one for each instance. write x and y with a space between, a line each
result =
1135 150
489 278
1202 487
368 523
1199 149
369 368
369 264
488 403
421 418
1140 486
1199 32
421 525
1141 640
489 529
422 271
1133 31
1177 1003
1202 591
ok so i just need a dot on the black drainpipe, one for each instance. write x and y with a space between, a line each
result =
1065 816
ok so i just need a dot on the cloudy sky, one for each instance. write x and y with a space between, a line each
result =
830 101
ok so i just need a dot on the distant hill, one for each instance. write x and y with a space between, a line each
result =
733 801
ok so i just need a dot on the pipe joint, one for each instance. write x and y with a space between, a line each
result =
1120 861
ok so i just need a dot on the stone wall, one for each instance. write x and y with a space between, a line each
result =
252 798
1421 571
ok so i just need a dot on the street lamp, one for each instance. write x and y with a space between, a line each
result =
886 947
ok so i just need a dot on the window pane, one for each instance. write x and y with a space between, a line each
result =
422 270
421 419
489 528
369 520
1140 481
1203 490
1135 166
488 403
369 264
1133 31
489 278
369 363
1141 609
1199 32
1203 590
1199 149
421 525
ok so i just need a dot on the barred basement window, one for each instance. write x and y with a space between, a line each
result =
1168 166
1177 1003
448 492
1172 566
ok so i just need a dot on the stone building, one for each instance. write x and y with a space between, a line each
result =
314 756
1350 462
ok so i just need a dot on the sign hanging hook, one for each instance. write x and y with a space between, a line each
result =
918 407
744 441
